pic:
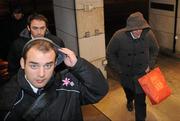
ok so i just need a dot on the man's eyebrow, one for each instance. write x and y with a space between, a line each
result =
35 27
31 62
50 62
37 63
38 27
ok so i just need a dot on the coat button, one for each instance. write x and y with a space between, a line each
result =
129 54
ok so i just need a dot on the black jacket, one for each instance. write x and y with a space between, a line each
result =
87 85
131 57
17 26
17 47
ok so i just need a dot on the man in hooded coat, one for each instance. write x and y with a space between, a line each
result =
132 52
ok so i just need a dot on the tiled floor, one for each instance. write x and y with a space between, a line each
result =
112 106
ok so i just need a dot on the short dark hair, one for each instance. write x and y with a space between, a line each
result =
39 44
36 16
17 9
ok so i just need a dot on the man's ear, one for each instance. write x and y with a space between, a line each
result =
28 27
22 63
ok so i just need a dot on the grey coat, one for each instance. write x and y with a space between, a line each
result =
131 57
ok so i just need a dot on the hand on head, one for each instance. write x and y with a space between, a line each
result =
70 58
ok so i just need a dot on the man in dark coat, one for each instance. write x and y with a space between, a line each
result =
36 27
36 93
132 52
18 22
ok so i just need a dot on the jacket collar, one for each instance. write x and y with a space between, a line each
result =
25 33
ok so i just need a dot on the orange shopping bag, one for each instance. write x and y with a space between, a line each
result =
155 86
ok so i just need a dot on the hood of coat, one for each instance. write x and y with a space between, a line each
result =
25 33
136 21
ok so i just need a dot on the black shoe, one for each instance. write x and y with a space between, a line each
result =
130 106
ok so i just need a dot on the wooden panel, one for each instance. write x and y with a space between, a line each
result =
92 48
91 22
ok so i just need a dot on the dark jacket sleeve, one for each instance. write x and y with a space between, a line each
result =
111 53
93 85
8 93
14 56
153 49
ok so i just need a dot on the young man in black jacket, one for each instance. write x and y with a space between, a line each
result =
37 26
62 94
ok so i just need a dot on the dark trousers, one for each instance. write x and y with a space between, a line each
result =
139 103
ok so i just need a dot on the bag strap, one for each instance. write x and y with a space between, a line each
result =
39 104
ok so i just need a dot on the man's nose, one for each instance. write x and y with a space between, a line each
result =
41 72
39 31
